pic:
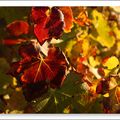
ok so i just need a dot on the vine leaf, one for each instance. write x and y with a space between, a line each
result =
37 72
68 18
104 37
111 62
48 23
82 19
18 28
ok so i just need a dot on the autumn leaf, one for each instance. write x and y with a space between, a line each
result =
18 28
103 30
39 14
68 18
38 71
82 19
13 41
111 62
103 86
48 25
117 93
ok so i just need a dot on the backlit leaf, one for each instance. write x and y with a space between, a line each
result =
47 25
82 19
100 23
68 18
18 27
111 62
37 72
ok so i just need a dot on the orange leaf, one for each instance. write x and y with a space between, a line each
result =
68 18
82 19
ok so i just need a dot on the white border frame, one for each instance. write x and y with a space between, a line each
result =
59 3
60 116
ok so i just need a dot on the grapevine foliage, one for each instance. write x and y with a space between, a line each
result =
60 60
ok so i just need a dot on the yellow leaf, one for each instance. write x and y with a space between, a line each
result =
106 72
14 81
67 109
93 62
106 95
85 47
112 62
116 30
104 33
69 47
118 48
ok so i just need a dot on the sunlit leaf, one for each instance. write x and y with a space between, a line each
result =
93 62
85 46
103 30
112 62
69 46
116 30
67 109
68 18
47 26
82 19
117 93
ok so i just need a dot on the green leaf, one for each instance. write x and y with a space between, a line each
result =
72 85
63 97
50 107
39 105
70 35
103 30
61 101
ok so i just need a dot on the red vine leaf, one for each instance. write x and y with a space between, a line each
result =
36 70
103 86
48 23
10 41
39 14
18 27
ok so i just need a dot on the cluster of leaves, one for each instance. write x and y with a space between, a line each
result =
60 60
